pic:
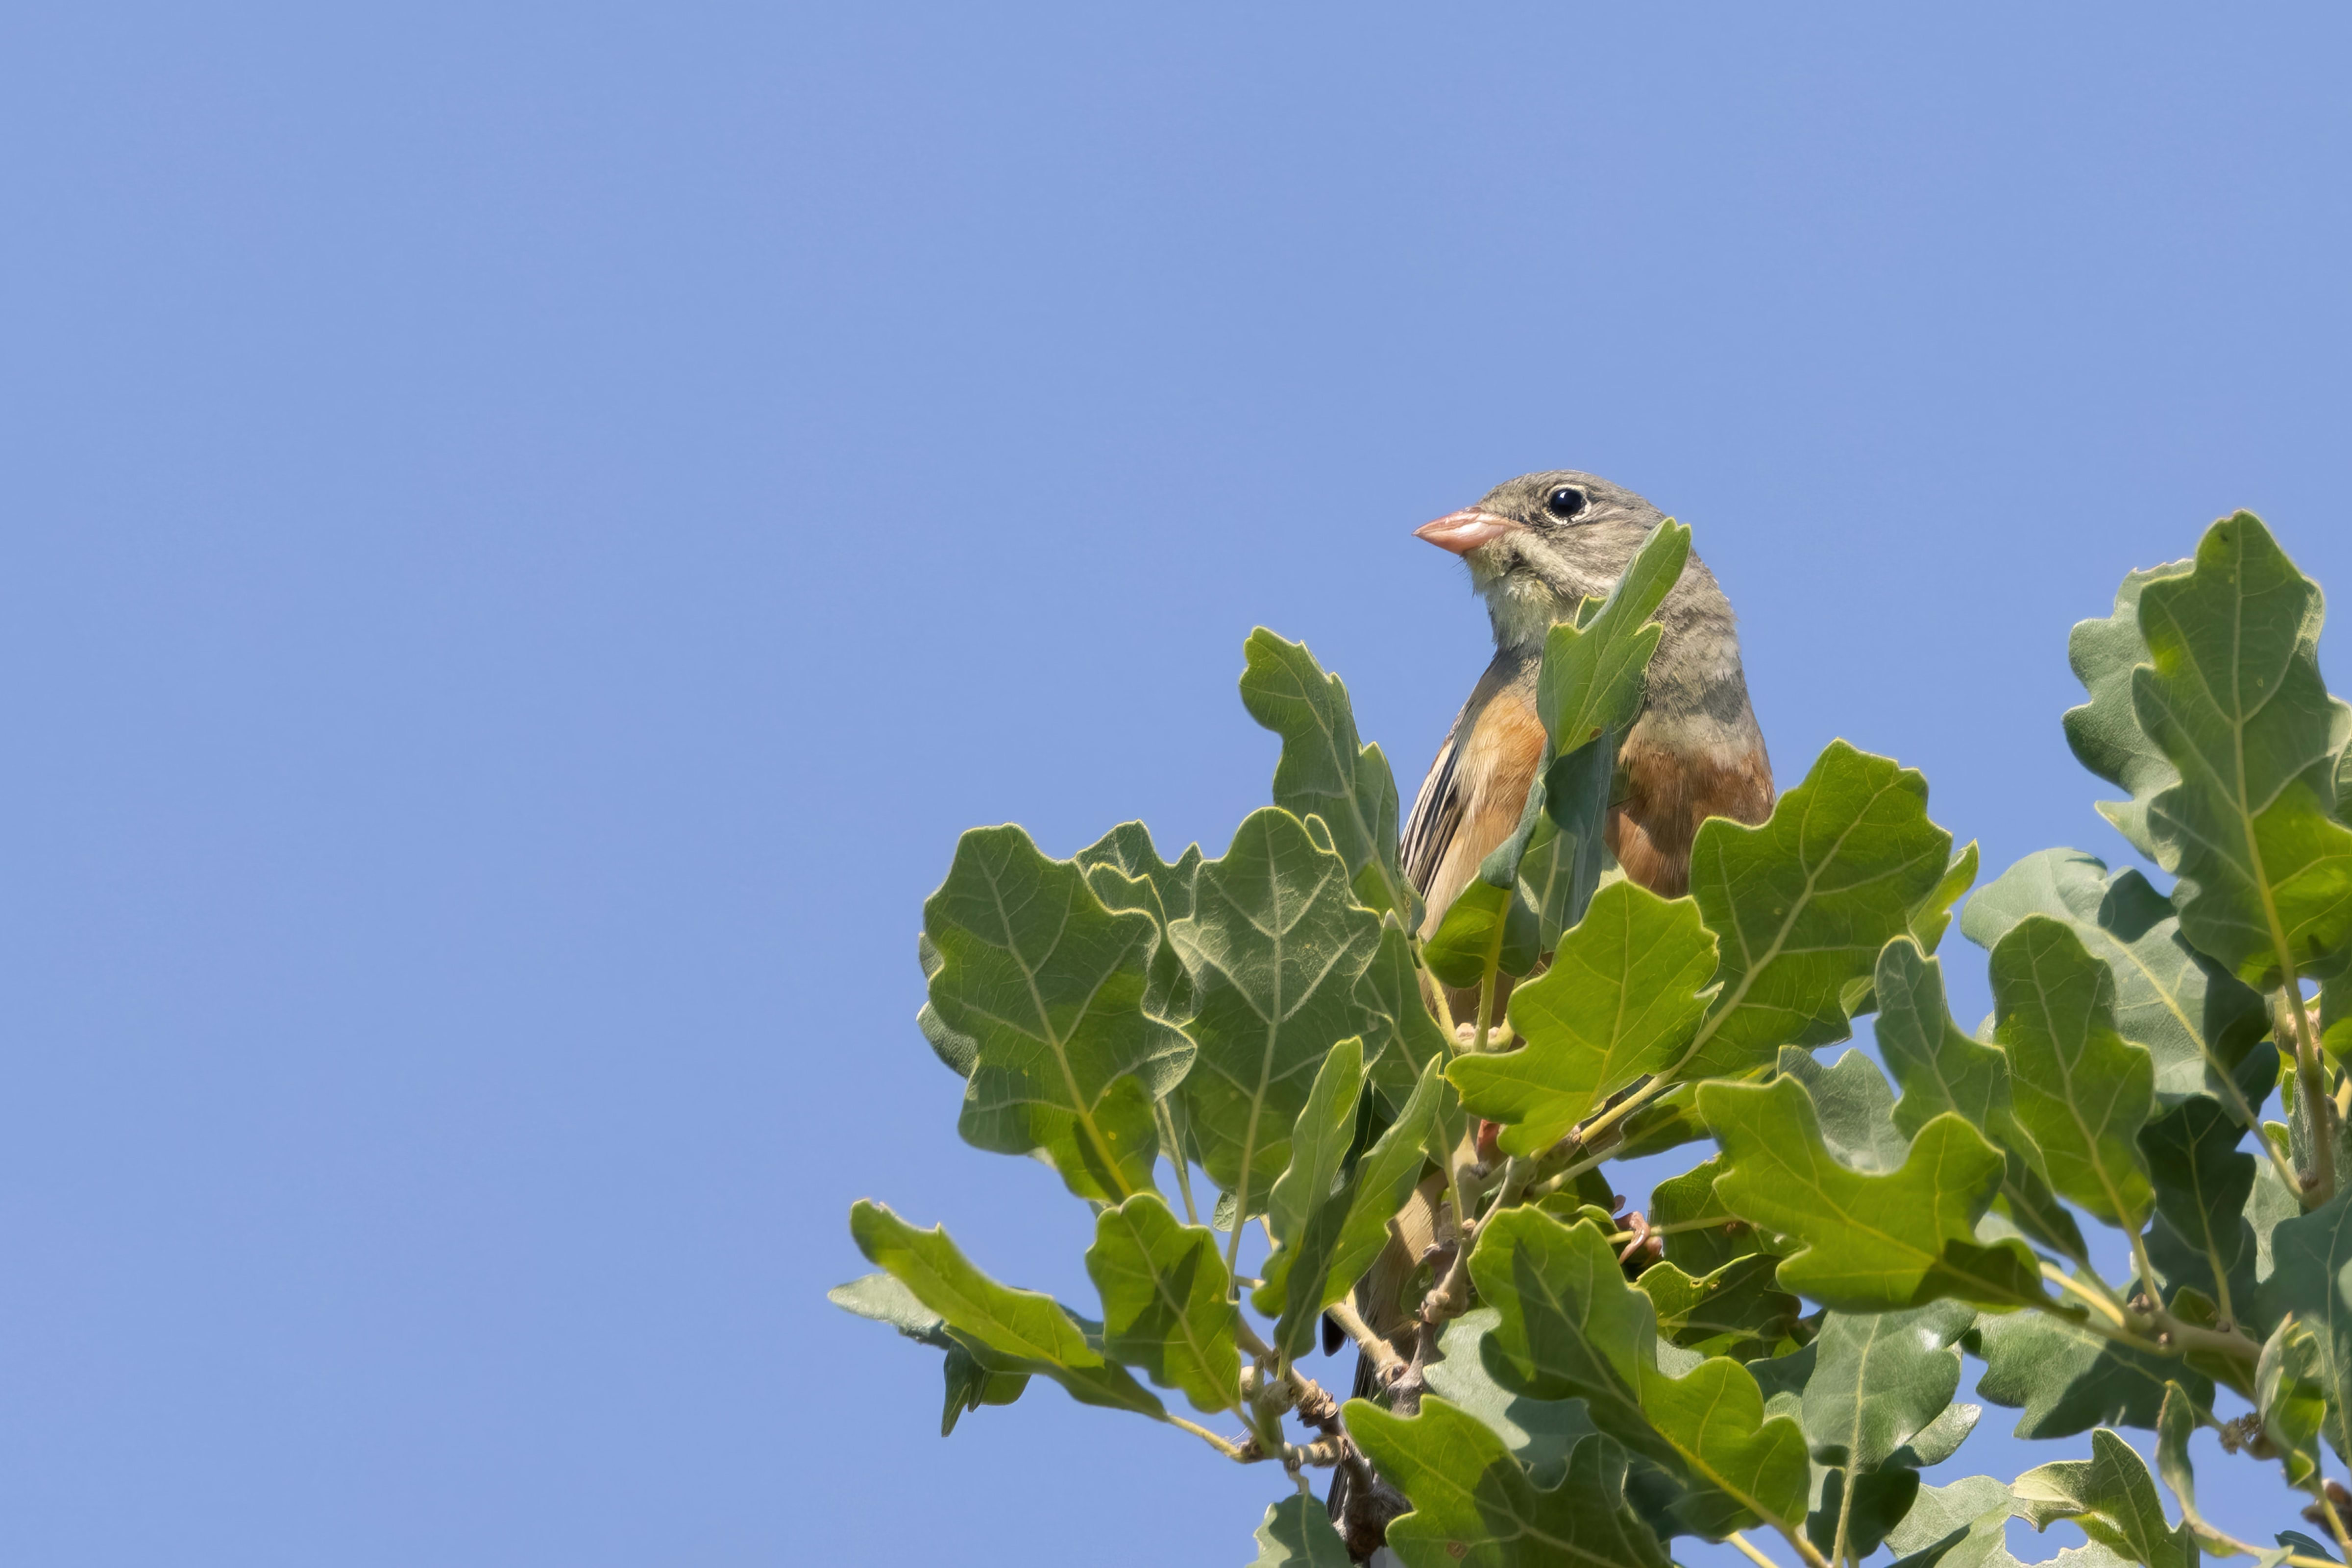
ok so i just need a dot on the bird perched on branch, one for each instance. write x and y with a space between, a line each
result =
1537 548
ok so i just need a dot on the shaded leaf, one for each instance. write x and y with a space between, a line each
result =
2066 1379
2312 1278
1298 1534
2202 1182
1401 1038
1346 1233
1872 1243
2233 698
1276 944
1703 1234
1881 1498
1934 913
1568 1326
1880 1380
971 1386
1324 770
1472 1502
2291 1394
1485 925
2080 1091
958 1050
2196 1018
2112 1498
1620 999
2105 732
1006 1329
2175 1424
1567 852
1595 668
1737 1311
1167 1301
1049 986
1801 905
1539 1432
1959 1526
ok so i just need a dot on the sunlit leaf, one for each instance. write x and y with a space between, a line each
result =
2233 699
1737 1311
1801 905
1126 873
1401 1038
1540 1433
2064 1379
1959 1526
1872 1243
1049 987
1620 999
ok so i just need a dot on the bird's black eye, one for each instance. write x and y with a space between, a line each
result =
1564 502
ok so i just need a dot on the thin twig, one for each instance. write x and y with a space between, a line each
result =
1386 1361
1230 1450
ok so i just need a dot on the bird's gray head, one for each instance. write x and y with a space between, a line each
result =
1539 544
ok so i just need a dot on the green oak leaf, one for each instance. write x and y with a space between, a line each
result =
1167 1301
1596 668
1298 1534
1938 1067
2080 1091
1620 999
1319 1138
1276 944
1854 1107
958 1050
1870 1243
1471 1503
1008 1330
2196 1018
1567 853
1324 770
2311 1278
1959 1526
1401 1038
2202 1182
2106 732
1568 1326
2064 1378
2233 698
1484 925
2175 1424
2290 1395
1737 1311
1881 1498
1801 905
1049 987
2335 1011
1880 1380
1540 1433
2112 1498
1340 1240
1934 913
969 1384
1126 873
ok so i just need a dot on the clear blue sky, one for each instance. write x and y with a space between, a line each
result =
530 529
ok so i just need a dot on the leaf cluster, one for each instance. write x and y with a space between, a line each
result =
1206 1051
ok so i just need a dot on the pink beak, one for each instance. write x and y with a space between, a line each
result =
1464 531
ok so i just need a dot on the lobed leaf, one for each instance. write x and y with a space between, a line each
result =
1049 988
1167 1300
2311 1278
1568 1326
1126 872
2064 1379
2202 1182
2233 698
1959 1526
1870 1243
1401 1038
2290 1394
1540 1433
1621 1000
2196 1018
2106 732
1471 1503
1298 1534
1801 905
1324 770
1595 668
2112 1498
1737 1311
1852 1106
1007 1330
1319 1138
1276 944
2079 1089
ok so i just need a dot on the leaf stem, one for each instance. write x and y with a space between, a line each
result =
1747 1549
2311 1090
1230 1449
2100 1298
1805 1548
